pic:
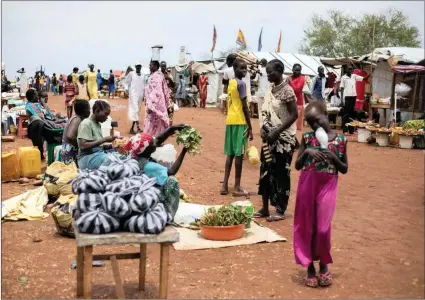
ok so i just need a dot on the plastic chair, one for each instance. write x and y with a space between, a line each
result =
22 130
51 146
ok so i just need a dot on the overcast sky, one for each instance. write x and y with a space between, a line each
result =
112 35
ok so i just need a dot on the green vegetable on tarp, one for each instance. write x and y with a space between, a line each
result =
191 139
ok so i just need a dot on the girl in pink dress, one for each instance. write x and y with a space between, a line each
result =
320 163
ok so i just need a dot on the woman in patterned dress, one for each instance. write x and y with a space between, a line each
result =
157 101
170 84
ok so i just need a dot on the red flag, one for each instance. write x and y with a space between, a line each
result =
214 39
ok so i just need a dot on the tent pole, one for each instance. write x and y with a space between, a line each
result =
415 91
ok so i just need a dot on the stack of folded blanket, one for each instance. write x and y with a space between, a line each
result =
117 197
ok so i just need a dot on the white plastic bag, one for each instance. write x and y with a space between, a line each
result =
323 138
176 107
402 89
165 155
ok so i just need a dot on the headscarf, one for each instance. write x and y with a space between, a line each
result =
138 144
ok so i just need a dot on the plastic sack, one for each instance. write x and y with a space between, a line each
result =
165 155
253 157
59 175
402 89
62 215
323 138
176 107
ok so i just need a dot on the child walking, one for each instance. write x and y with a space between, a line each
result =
82 88
238 128
320 162
70 92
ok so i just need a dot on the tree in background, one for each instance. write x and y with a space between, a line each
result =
340 34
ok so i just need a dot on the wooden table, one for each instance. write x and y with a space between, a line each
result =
85 257
384 107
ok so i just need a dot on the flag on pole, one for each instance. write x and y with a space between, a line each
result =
241 40
278 44
214 39
260 45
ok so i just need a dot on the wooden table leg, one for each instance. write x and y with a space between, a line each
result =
117 278
80 272
88 261
142 267
163 272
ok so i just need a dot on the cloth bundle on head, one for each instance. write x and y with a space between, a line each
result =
90 182
138 144
97 222
121 168
124 184
152 221
146 196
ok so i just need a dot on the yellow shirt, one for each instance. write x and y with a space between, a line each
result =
235 91
75 78
41 79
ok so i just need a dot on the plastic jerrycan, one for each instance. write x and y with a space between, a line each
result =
9 167
29 162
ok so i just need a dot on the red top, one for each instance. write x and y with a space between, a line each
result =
331 79
70 91
297 85
360 85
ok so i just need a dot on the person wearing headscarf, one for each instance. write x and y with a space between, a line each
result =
135 82
141 147
91 82
157 102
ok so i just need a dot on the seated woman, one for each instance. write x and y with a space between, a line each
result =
69 140
92 145
141 147
33 107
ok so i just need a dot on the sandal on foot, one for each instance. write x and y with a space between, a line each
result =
311 282
259 214
325 279
275 218
224 192
242 193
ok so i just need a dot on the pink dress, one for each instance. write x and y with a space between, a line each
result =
315 204
157 103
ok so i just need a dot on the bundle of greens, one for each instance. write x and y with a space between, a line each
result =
191 139
227 215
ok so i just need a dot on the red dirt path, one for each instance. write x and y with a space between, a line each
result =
377 237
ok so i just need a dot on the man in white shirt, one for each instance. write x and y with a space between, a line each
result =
348 97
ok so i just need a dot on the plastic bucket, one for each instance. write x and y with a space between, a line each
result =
406 141
382 139
362 135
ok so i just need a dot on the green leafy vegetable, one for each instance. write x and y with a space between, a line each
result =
225 216
191 139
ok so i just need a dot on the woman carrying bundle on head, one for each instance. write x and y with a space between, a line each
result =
92 145
141 147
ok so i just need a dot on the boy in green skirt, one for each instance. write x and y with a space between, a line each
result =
238 128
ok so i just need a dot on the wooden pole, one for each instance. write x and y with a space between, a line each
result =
415 91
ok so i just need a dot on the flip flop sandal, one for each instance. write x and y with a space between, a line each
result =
259 215
311 282
275 218
224 192
325 279
241 194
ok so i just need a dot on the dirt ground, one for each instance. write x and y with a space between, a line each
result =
377 234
